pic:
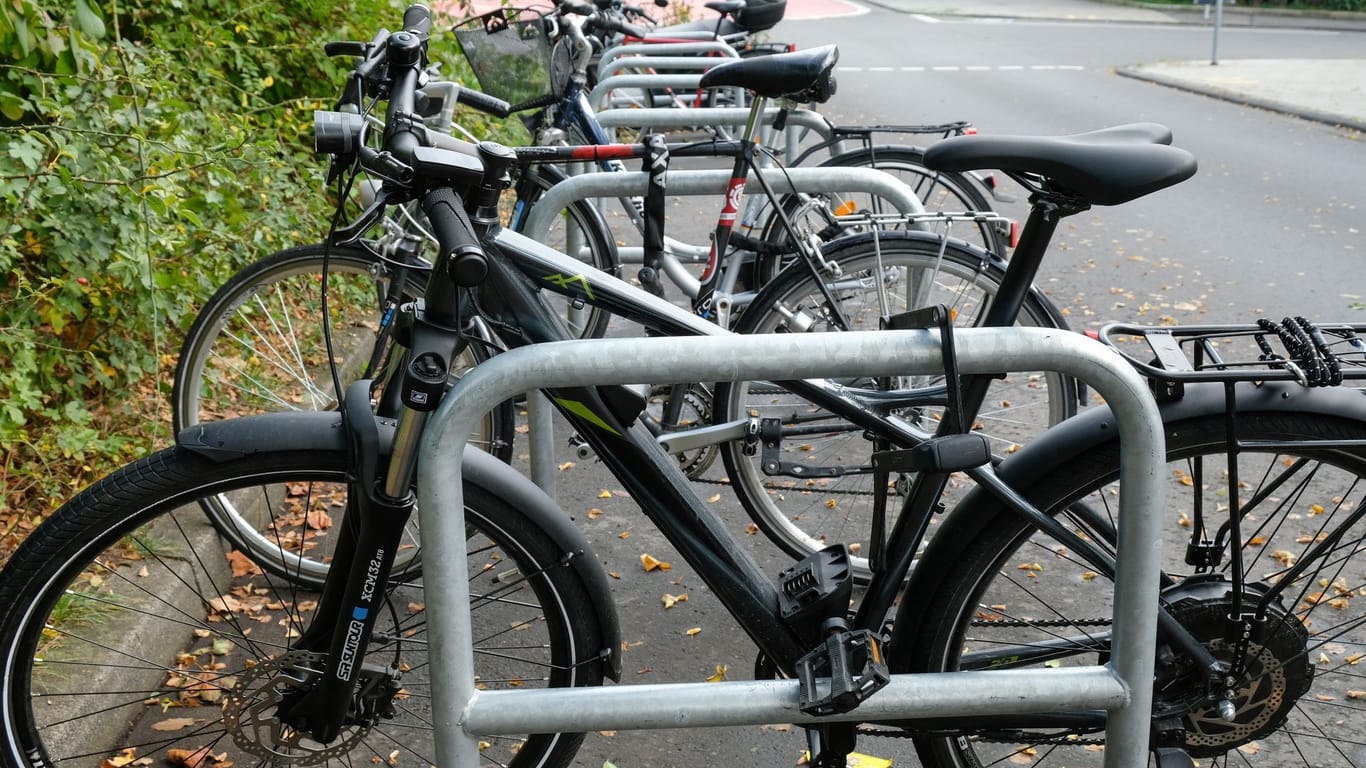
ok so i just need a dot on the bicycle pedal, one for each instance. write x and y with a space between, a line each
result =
944 454
842 673
815 589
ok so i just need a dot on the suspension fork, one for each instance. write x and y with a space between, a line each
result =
378 508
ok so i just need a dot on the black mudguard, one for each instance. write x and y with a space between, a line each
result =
233 438
1053 452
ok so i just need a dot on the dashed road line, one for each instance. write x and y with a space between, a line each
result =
972 68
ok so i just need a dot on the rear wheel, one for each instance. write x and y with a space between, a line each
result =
809 485
136 632
1012 597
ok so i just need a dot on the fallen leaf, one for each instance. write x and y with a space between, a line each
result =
189 758
714 498
318 520
624 535
242 565
693 632
121 759
604 494
594 513
566 465
751 529
720 674
173 724
650 563
672 600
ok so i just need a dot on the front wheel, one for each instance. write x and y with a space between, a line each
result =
1011 597
809 486
134 631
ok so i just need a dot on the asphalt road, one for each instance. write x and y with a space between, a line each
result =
1270 226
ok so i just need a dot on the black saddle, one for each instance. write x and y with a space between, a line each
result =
802 75
1105 167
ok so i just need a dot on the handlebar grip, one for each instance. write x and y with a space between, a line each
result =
483 102
418 20
467 265
616 25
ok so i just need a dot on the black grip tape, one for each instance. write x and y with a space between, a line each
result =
483 102
446 213
418 20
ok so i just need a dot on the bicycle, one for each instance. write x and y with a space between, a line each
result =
943 271
321 696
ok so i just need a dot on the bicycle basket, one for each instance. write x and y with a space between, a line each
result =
509 52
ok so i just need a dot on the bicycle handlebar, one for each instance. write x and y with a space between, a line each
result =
415 162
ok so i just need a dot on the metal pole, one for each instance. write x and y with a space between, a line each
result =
1218 22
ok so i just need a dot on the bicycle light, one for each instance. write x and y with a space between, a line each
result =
337 133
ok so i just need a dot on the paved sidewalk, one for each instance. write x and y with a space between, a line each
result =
1329 91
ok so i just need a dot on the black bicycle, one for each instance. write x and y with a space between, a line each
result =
134 637
258 343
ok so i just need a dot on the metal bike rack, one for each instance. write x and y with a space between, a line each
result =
716 50
598 96
799 122
1123 686
713 182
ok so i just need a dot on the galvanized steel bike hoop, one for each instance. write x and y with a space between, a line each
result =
510 53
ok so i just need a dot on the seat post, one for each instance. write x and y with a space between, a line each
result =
1045 213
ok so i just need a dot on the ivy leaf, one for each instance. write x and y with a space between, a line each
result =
88 21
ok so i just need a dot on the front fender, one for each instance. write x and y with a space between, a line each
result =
323 431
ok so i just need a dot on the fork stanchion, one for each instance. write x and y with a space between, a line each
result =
1123 687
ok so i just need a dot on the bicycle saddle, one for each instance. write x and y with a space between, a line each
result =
802 75
1105 167
725 7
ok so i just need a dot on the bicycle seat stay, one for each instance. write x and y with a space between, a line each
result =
1105 167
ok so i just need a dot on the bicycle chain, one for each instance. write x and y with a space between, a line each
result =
830 491
1033 740
1017 623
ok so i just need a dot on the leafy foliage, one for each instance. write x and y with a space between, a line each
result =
148 149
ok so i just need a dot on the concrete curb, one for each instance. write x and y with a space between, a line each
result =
1246 99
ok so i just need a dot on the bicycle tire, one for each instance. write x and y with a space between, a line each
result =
947 191
109 605
803 513
980 589
580 223
255 347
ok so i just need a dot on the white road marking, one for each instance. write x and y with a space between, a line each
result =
971 68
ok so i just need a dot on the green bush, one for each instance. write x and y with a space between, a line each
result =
150 148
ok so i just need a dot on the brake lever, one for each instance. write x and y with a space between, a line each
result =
353 231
